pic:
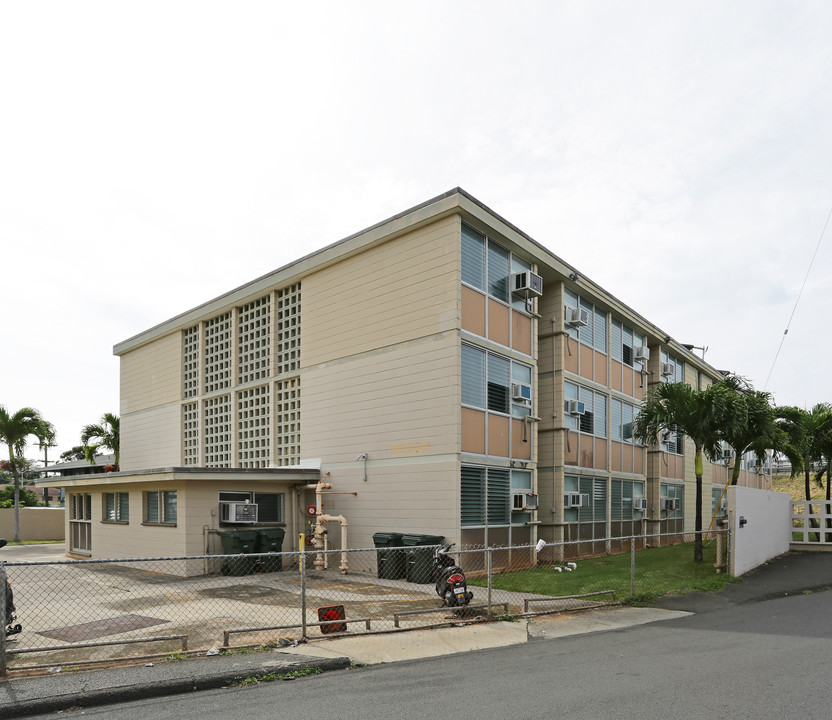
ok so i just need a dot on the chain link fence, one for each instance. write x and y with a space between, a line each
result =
98 610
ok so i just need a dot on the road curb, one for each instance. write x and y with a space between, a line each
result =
166 687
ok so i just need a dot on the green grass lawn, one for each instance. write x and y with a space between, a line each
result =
658 571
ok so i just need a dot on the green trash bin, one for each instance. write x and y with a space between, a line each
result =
420 561
270 540
240 543
391 563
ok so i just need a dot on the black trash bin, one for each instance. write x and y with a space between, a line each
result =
240 543
419 559
270 540
391 563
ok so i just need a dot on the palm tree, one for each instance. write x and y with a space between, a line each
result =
104 435
15 429
759 433
699 414
807 435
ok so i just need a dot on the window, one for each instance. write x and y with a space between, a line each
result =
622 416
485 496
594 333
623 343
672 492
593 421
673 441
487 266
487 378
160 507
622 493
269 505
116 507
678 368
80 522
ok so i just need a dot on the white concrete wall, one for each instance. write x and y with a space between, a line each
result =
767 532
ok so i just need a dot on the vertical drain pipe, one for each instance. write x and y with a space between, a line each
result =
303 589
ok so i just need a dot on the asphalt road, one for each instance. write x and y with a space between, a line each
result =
761 660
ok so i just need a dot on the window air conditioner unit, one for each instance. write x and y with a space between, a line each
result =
668 436
575 407
640 504
577 317
522 392
641 353
238 512
668 369
727 453
575 500
524 501
527 283
670 504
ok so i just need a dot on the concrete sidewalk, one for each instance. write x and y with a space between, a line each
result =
20 696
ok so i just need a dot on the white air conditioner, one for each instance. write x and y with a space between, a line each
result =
577 317
668 436
641 353
575 500
575 407
524 501
668 369
238 512
670 504
521 392
640 504
527 284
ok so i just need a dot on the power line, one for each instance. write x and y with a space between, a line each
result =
794 309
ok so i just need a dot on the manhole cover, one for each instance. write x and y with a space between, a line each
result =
100 628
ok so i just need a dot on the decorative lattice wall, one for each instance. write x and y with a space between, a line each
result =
190 369
190 433
217 431
287 421
253 325
217 357
288 330
253 424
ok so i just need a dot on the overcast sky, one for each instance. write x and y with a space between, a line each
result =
155 155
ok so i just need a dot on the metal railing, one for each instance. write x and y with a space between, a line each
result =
84 611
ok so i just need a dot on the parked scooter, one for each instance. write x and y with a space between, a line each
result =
9 624
451 584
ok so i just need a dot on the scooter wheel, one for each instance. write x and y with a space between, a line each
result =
17 628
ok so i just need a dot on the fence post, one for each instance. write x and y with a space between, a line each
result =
489 565
3 581
633 566
303 589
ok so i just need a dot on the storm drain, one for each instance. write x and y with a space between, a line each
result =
101 628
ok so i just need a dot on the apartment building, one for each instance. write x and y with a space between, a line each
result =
446 373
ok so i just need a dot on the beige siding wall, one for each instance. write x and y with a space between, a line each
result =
152 438
111 540
399 402
151 388
404 289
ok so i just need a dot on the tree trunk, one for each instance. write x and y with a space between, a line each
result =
697 526
16 531
735 473
807 474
